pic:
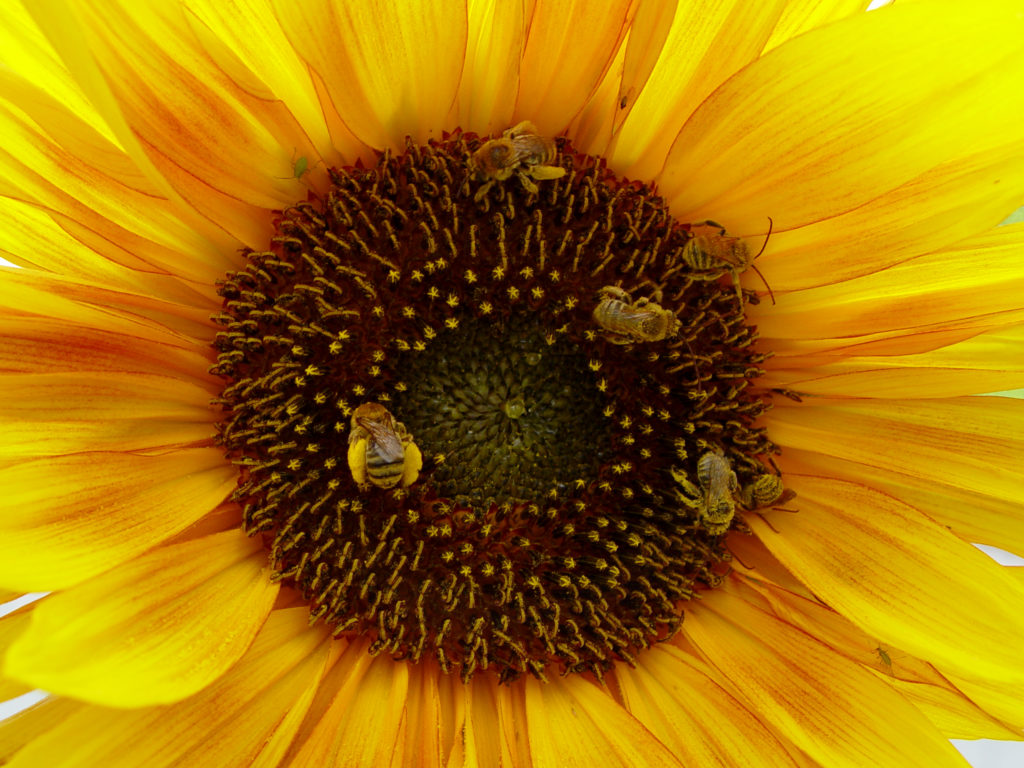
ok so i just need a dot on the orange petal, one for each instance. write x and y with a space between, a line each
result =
236 714
153 630
208 136
827 706
248 44
80 178
574 724
692 715
953 713
899 576
68 518
57 413
673 61
28 291
391 70
366 722
490 77
424 740
824 124
31 238
569 47
46 345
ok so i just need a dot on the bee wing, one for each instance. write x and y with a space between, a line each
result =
389 446
635 316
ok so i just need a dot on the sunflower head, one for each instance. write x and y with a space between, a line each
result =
493 405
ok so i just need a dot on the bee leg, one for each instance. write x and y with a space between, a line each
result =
482 192
524 127
615 292
736 282
529 186
710 223
619 338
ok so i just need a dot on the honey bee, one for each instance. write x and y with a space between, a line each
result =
520 151
715 252
764 491
626 321
719 485
380 450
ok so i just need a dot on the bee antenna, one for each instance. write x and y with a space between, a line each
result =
763 246
758 271
767 522
739 559
765 243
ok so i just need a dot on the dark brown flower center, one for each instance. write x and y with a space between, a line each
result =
572 365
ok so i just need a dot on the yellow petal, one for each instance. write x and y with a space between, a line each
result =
11 627
569 47
1001 699
68 518
673 61
971 448
56 413
804 15
988 362
934 211
153 630
366 722
574 724
390 70
898 575
824 123
973 515
285 658
31 724
692 715
829 707
490 77
28 53
263 725
953 713
978 278
208 136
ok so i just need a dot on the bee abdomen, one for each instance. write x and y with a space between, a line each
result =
381 470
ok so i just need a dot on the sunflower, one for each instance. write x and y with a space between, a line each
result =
510 384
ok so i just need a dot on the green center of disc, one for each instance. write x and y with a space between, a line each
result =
516 419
